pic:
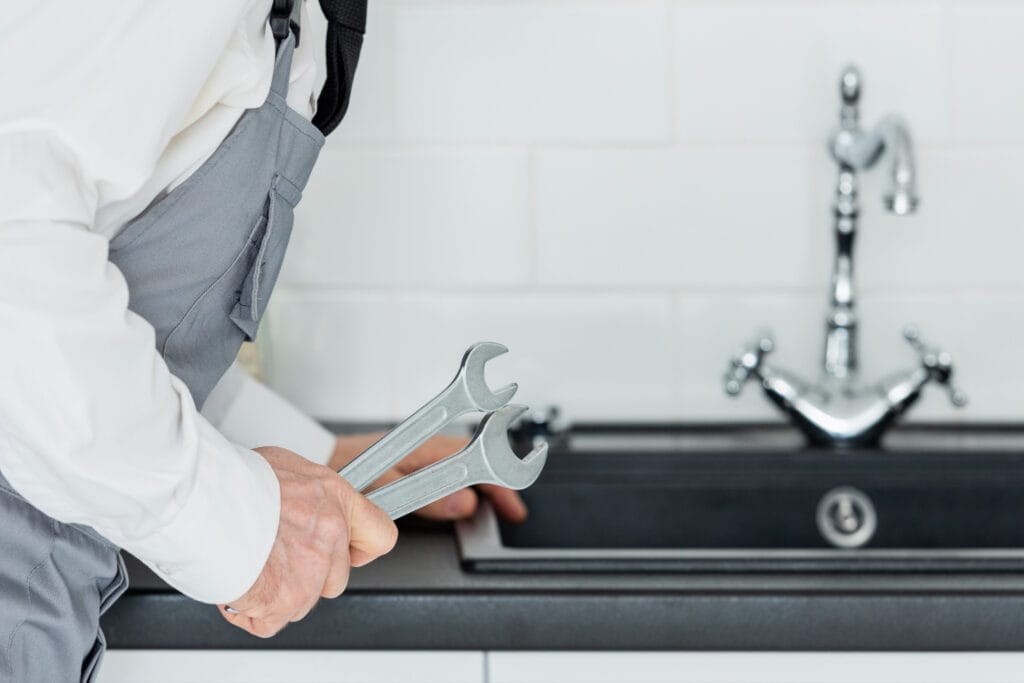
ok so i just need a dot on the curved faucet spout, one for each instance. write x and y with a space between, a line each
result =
839 409
861 150
858 149
901 195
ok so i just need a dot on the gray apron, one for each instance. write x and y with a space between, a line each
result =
200 264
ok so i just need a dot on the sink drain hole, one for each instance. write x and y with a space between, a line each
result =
846 517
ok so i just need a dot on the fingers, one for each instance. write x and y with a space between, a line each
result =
507 503
459 505
261 628
325 528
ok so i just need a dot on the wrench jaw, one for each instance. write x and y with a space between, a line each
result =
472 372
507 468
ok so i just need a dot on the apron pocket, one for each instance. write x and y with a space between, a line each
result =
266 266
91 665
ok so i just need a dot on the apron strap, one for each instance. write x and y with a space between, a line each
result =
346 24
283 65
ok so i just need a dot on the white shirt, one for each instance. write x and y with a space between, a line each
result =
105 106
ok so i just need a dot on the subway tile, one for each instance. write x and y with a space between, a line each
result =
332 354
978 331
550 70
988 68
618 356
720 217
965 233
747 71
386 217
712 328
598 355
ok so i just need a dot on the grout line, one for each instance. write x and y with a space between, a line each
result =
949 60
671 81
532 224
606 289
599 289
463 146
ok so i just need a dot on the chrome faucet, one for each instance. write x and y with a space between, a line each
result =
839 409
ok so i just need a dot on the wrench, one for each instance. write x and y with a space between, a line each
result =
488 459
467 393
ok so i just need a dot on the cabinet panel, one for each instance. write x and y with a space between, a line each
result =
253 666
753 667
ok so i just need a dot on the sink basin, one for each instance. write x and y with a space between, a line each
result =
733 502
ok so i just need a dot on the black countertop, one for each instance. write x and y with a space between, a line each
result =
419 598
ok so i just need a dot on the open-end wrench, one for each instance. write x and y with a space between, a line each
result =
488 459
467 393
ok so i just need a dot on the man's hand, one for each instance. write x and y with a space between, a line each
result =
326 528
459 505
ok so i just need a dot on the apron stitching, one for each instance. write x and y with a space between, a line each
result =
284 111
28 593
195 303
158 210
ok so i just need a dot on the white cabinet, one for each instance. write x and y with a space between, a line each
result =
753 667
255 666
268 666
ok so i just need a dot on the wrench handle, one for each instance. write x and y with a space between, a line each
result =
422 488
405 438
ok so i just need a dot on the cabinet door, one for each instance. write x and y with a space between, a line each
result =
753 667
255 666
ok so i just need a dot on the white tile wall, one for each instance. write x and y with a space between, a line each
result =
397 217
533 70
987 66
678 217
624 190
767 71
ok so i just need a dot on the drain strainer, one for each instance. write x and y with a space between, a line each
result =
846 517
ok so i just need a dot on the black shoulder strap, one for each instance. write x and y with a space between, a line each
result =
346 24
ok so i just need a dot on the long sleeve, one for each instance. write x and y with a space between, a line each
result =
94 429
251 413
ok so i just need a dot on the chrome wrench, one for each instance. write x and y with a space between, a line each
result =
467 393
488 459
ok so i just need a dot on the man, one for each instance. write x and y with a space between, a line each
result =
151 154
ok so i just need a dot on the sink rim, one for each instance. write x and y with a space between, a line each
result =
481 549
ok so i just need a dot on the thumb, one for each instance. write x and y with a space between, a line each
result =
371 532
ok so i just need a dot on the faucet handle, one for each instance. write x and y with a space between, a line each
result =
747 362
937 362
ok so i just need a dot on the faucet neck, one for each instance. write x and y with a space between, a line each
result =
841 324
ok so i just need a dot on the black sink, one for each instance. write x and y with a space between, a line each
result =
957 504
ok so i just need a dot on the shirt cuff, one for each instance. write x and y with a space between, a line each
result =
249 413
216 546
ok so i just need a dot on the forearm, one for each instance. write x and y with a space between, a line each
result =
250 413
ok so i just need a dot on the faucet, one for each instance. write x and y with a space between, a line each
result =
840 410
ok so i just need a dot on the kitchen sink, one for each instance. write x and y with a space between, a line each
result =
757 499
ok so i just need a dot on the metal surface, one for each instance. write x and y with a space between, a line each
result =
846 517
467 393
488 459
839 409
